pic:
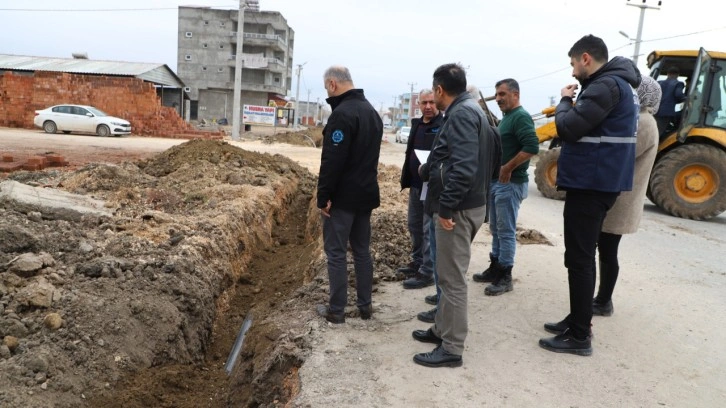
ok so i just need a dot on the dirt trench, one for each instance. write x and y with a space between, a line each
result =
147 302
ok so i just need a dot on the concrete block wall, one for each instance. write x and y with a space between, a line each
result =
128 98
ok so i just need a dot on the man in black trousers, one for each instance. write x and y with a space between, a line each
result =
348 191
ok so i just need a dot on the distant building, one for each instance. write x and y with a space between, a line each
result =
207 44
312 113
406 110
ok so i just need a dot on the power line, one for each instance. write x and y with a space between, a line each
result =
685 35
101 10
627 45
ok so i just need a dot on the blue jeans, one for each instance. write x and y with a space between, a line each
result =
418 228
504 201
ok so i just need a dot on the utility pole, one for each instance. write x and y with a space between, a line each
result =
307 107
410 103
317 110
642 6
236 114
297 97
393 112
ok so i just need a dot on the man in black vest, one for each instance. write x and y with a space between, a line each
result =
596 163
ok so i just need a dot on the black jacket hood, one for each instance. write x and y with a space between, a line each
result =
618 66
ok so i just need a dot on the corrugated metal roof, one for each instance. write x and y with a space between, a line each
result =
159 74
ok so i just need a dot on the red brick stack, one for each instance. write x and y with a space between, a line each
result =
128 98
39 162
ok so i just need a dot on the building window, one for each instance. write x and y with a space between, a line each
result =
277 79
220 69
221 46
204 68
188 57
187 89
206 22
188 34
222 23
204 45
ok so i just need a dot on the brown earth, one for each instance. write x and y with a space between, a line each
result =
151 299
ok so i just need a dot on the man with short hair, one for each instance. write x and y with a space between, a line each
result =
421 138
465 156
348 191
596 163
519 144
672 91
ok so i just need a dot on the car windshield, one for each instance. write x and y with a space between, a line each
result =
97 112
405 129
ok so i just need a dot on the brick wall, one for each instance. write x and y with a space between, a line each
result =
128 98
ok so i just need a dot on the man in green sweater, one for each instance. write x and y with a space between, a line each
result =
519 144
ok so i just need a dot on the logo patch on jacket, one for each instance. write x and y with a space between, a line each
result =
337 136
434 130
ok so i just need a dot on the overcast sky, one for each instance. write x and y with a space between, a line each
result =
387 44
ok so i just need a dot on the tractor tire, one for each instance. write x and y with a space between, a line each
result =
688 182
545 174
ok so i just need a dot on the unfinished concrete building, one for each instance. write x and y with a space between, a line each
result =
207 44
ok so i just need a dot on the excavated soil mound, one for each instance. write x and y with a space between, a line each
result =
141 308
307 137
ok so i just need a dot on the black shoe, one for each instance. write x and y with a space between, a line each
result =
602 309
426 336
409 270
418 281
366 312
557 328
335 318
567 343
432 299
503 282
438 358
428 316
490 273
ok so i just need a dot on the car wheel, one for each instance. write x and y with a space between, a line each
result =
103 130
49 126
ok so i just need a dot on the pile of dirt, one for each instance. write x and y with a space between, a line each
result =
141 308
312 136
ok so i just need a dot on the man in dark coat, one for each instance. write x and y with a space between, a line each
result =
466 155
672 91
348 190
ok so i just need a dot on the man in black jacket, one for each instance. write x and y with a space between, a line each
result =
348 190
596 163
465 157
421 139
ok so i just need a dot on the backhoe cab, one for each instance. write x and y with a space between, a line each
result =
689 175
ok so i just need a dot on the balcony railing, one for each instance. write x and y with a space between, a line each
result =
269 37
271 62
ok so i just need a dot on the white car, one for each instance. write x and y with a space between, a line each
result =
402 134
80 118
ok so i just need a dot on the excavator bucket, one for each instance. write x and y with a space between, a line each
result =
546 132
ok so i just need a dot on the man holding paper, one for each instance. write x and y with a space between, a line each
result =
420 271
